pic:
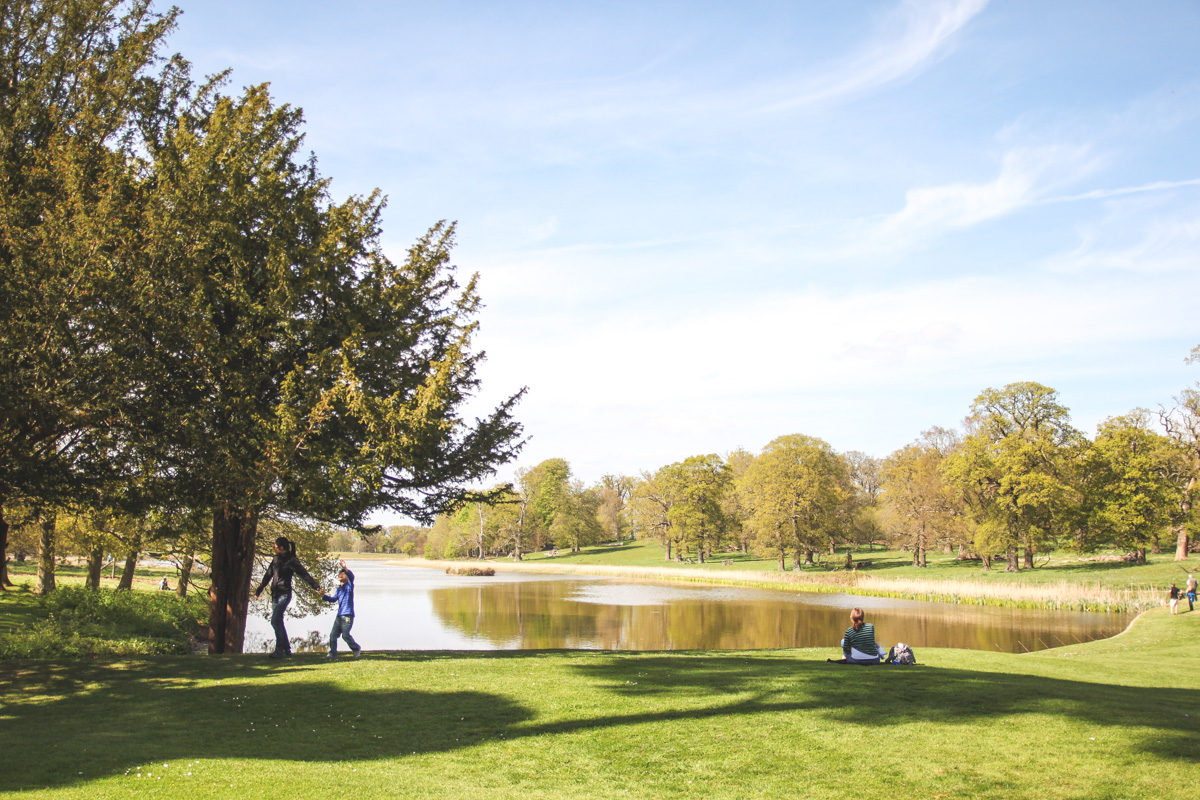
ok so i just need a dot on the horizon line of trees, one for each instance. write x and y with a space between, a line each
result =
1017 480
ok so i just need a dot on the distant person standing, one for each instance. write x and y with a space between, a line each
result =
1174 597
344 597
1191 593
279 575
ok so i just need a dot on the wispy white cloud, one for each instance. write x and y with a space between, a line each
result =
927 29
1131 240
1104 194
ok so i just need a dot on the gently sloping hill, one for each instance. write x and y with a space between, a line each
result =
1089 721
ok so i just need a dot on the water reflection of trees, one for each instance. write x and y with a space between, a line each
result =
540 615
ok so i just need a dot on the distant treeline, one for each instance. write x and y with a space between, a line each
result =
1015 481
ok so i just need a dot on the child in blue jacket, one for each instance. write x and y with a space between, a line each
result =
344 597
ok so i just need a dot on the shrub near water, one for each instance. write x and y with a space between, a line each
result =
86 622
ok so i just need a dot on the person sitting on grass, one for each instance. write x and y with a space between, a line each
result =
858 646
344 621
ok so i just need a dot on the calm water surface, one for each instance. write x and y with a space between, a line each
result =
415 608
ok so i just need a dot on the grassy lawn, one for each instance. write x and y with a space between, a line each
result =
1110 719
1157 573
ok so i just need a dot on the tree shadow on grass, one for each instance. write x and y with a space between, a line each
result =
63 724
883 696
66 724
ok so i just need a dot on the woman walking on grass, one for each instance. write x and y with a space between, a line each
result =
279 574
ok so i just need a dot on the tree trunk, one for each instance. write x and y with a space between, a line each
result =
234 531
1181 544
832 548
185 573
4 581
782 561
1029 551
962 552
948 548
667 557
1157 545
1141 555
808 556
924 554
95 565
849 560
131 559
986 561
45 568
1012 563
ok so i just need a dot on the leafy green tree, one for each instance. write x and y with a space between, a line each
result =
544 494
698 484
78 80
577 521
795 492
286 366
613 492
1014 470
1182 424
923 508
650 507
738 461
1130 492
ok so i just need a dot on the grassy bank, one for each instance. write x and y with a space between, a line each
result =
1111 719
1062 581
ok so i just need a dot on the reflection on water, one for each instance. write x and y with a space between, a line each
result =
412 608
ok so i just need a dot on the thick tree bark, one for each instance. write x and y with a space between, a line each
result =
986 562
234 531
832 547
1181 544
95 564
667 557
185 573
45 570
1029 551
1157 545
808 556
962 552
4 581
131 559
1141 555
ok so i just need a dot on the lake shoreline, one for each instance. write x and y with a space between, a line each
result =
1063 595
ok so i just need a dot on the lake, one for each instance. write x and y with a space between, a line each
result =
416 608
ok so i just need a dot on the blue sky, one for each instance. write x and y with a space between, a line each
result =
700 226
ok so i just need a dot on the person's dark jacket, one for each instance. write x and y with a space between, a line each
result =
279 575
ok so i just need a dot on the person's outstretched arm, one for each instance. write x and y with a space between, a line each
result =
266 578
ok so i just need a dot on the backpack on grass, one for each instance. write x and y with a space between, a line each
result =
901 654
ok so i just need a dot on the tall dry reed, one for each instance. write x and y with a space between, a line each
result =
1059 595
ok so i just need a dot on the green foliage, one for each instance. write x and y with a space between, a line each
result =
1127 472
795 493
76 622
1014 470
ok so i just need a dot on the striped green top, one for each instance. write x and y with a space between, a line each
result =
862 640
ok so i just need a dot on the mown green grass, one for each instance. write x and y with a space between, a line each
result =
1110 719
1158 572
